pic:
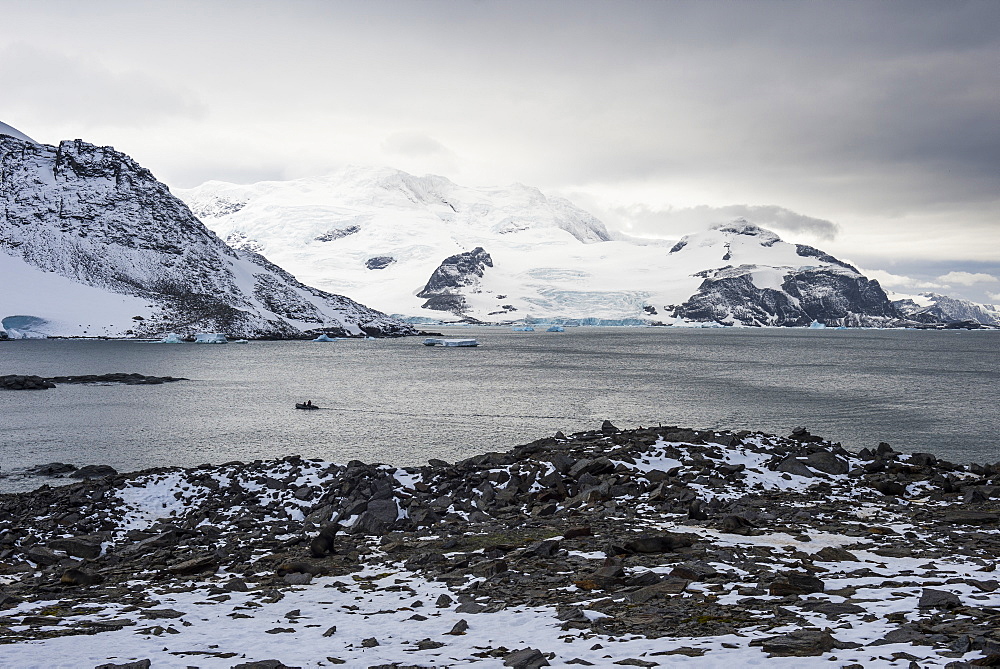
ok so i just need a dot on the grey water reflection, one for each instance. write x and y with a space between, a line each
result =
398 402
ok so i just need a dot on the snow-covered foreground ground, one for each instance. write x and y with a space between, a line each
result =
383 615
540 555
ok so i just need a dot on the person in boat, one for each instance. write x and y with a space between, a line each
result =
309 403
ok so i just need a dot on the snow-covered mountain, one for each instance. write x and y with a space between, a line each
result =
424 246
92 244
934 308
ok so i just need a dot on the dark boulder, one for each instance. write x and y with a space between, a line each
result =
792 465
525 658
736 524
938 599
377 518
140 664
86 547
800 643
93 472
826 462
658 543
52 469
795 583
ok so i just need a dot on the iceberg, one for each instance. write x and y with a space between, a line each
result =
210 338
325 337
24 327
431 341
816 325
171 338
523 328
556 328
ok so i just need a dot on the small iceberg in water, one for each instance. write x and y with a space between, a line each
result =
450 342
210 338
324 337
171 338
523 328
816 325
556 328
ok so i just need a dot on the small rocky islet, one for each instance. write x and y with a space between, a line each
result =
697 543
32 382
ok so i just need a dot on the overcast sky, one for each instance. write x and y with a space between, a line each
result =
868 129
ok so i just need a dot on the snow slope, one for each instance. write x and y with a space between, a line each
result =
14 132
381 234
92 244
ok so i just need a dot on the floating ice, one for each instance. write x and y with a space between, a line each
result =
210 338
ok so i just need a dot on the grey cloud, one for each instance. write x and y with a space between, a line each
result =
933 275
644 219
415 144
861 112
49 86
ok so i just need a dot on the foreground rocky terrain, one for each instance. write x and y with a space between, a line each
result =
648 547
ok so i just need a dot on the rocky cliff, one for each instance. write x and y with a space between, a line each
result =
92 244
831 296
456 274
776 283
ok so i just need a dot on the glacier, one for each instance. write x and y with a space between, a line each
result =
430 250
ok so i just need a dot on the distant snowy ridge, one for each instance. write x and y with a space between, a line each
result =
389 238
91 244
934 308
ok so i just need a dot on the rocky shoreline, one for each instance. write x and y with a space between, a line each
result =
645 547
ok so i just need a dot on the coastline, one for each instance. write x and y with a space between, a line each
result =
645 547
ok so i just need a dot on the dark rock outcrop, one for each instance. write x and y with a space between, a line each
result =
832 296
457 273
379 262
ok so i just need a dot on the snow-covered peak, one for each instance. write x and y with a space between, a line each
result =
92 244
15 133
371 198
741 226
741 243
388 237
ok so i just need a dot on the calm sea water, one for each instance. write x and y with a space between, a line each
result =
399 402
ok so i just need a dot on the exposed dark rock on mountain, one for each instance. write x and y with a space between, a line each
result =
338 233
379 262
830 296
456 274
810 252
93 215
